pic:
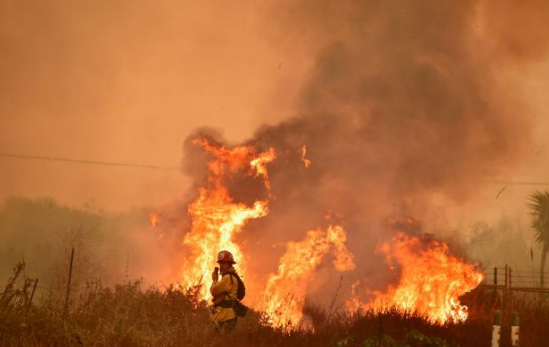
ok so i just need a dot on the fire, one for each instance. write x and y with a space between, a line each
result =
286 290
216 218
431 280
259 165
305 161
154 222
153 219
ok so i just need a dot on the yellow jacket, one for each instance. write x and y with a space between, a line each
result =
225 289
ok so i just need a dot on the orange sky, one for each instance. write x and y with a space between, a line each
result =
127 81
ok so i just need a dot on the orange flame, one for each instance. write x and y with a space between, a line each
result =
431 280
305 161
259 165
216 218
153 219
286 290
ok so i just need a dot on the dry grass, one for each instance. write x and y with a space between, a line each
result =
129 315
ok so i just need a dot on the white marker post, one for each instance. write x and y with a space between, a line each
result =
496 329
515 331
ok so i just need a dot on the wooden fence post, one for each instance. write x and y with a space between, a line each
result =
510 283
495 281
505 286
69 283
32 294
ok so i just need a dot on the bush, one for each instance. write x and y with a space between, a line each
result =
129 315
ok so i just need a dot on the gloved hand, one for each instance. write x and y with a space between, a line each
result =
215 275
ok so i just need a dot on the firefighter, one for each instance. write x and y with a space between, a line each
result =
224 292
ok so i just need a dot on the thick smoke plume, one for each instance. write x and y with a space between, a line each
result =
404 109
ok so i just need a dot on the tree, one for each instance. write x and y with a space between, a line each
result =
539 205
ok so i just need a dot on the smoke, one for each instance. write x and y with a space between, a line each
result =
405 109
109 248
402 97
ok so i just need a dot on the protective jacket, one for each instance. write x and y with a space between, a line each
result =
224 291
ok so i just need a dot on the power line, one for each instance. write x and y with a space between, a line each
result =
155 167
82 161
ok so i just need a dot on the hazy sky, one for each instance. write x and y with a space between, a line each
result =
127 81
418 107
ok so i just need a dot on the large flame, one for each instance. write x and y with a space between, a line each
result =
286 290
431 280
216 218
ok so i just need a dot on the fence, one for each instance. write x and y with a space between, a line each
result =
509 280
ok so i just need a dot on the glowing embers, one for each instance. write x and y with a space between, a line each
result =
431 280
286 290
216 218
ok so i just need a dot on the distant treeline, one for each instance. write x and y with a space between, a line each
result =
42 233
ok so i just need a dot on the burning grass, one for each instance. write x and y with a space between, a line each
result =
421 307
430 278
130 315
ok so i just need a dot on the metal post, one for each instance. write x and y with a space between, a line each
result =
496 329
69 283
515 331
